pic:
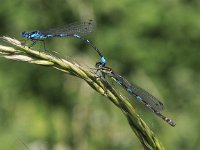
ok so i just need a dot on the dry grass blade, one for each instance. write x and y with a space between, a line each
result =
25 54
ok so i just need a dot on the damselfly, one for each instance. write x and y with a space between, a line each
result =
76 30
148 100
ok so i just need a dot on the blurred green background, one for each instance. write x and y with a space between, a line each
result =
152 43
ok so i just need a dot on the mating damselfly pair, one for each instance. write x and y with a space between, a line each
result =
78 30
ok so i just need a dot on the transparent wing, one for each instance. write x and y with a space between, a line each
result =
137 91
79 28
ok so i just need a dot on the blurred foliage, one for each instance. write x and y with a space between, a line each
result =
152 43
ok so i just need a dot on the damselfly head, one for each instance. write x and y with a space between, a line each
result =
98 65
24 34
